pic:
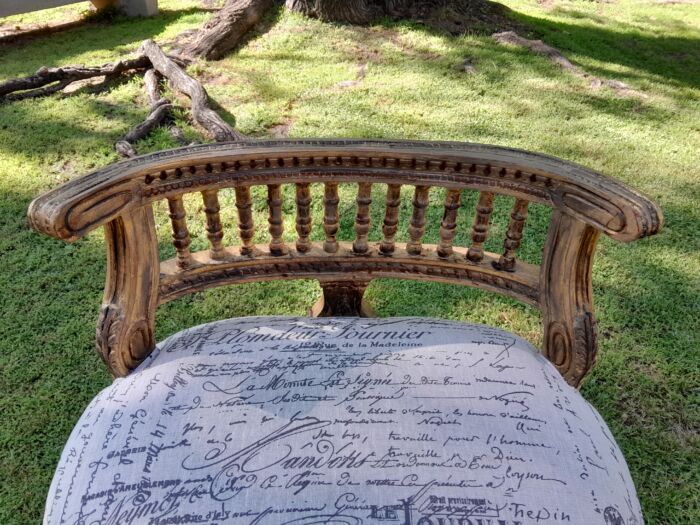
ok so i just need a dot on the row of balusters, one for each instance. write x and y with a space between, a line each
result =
416 228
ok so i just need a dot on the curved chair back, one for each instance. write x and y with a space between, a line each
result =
120 198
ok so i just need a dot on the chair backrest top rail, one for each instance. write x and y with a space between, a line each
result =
83 204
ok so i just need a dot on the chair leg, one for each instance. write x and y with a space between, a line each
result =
342 299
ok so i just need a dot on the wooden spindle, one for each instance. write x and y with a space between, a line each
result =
246 227
391 218
513 236
362 219
303 199
416 228
274 203
330 216
215 231
480 228
181 235
449 223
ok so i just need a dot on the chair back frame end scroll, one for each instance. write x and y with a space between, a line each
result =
120 197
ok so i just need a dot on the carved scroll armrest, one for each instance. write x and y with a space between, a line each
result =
72 210
566 292
126 321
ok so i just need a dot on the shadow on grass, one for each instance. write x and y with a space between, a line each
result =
672 58
123 35
51 128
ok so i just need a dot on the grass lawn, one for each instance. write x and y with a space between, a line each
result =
647 381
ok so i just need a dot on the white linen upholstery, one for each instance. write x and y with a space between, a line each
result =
343 421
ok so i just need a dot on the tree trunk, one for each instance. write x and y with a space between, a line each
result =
223 31
452 16
348 11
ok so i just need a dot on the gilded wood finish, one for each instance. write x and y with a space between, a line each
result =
119 198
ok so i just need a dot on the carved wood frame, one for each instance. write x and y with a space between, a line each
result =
119 197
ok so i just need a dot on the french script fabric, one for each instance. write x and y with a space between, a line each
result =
346 421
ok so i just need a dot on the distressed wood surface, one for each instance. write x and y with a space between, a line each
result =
125 326
416 228
449 223
566 297
276 221
303 201
362 219
246 227
480 228
514 236
215 231
391 218
181 235
119 197
330 218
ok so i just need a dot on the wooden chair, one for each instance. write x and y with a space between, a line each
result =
585 203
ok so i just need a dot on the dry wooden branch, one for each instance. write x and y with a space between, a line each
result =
47 80
511 37
161 112
204 115
223 31
151 82
158 115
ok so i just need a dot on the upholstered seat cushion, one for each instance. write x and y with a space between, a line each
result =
343 421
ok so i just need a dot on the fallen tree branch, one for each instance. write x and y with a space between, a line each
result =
39 92
511 37
158 115
204 115
161 112
151 82
46 80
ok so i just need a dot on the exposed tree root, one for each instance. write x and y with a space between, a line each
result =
223 31
161 112
154 62
204 115
46 80
510 37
